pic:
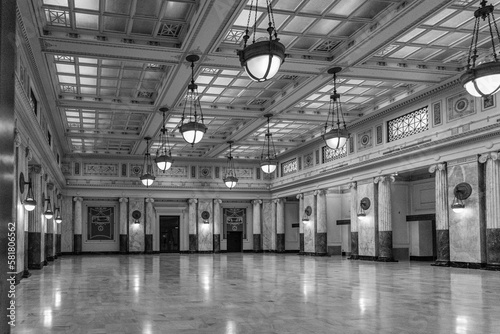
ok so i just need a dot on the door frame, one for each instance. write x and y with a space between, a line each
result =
178 231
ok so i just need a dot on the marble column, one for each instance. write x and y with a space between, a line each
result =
280 225
217 224
78 228
193 236
300 197
35 258
321 229
58 229
492 177
257 237
384 218
67 225
354 221
123 225
268 226
150 216
442 216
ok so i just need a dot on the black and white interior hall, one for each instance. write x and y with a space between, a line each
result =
128 118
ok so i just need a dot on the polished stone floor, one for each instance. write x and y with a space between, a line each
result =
254 293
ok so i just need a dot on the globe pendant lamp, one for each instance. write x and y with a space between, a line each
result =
482 78
230 178
48 213
268 160
262 59
334 135
29 202
58 218
192 124
164 154
147 178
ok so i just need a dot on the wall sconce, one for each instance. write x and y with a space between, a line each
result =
29 202
136 215
462 191
364 204
307 214
205 215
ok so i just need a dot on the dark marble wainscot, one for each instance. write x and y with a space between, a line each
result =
216 243
77 242
49 246
443 248
123 243
301 243
280 243
148 243
34 250
354 246
26 272
257 243
493 248
321 244
193 243
385 247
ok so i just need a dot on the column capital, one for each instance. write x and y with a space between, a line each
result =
319 192
192 200
439 167
123 200
300 196
218 200
78 199
257 201
384 178
491 155
50 186
17 138
150 200
37 169
276 200
353 185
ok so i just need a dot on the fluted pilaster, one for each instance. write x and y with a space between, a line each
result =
217 224
300 197
492 167
442 214
280 225
354 221
384 215
193 239
77 243
321 226
257 230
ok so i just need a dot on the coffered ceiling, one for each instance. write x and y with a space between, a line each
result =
108 66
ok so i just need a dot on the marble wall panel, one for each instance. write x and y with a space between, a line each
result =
268 226
467 229
309 226
367 229
136 231
205 231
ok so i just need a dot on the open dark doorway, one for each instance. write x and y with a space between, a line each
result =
169 234
234 241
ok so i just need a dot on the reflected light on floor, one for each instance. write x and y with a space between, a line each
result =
461 327
230 327
47 317
147 328
205 280
57 299
362 305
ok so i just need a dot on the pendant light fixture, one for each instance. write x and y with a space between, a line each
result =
230 178
334 135
262 59
482 78
147 177
29 202
48 213
192 125
57 210
164 154
268 160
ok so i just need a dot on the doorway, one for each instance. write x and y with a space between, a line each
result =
234 241
169 234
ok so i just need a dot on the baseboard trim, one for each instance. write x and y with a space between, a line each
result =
421 258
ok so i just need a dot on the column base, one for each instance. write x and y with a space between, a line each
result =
216 243
353 257
26 273
257 244
280 243
148 244
386 259
77 244
321 243
193 243
301 243
354 246
50 258
492 267
123 243
441 263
